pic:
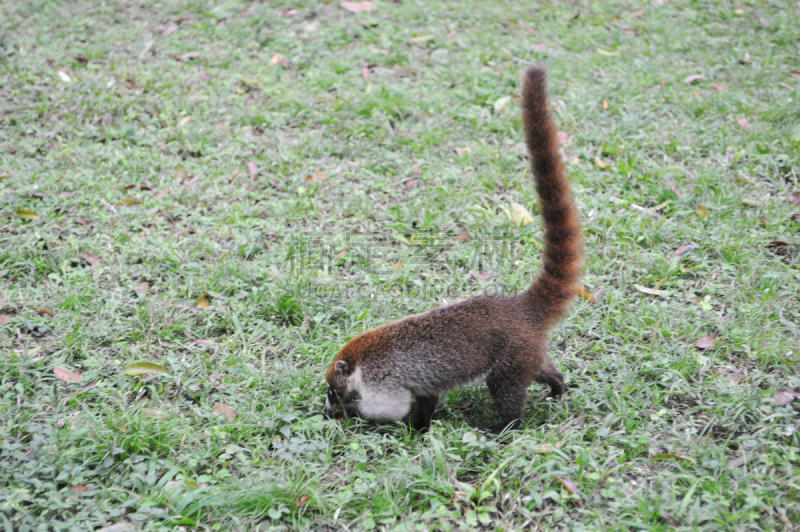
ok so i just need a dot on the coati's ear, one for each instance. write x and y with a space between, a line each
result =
342 368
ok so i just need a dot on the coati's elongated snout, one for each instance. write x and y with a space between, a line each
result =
341 389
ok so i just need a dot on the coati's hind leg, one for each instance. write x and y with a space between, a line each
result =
389 404
550 376
509 390
426 406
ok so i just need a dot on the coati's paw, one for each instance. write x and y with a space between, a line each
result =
354 408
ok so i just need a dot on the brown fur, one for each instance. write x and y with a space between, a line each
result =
502 338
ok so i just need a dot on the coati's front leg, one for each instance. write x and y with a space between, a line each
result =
426 406
550 376
509 391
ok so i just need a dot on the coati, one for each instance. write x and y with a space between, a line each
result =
503 338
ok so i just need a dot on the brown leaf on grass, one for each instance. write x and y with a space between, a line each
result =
683 250
302 500
225 410
702 211
126 201
784 397
462 151
693 77
165 30
794 197
483 277
358 7
318 176
203 301
582 292
278 59
90 258
4 319
411 182
776 244
571 488
4 175
79 488
365 72
141 288
67 376
670 519
190 181
42 310
743 122
198 343
562 138
27 214
747 202
304 326
252 169
718 88
600 163
671 456
706 342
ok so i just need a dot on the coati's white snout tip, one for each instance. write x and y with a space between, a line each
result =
328 406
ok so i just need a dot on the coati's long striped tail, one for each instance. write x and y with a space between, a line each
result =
558 283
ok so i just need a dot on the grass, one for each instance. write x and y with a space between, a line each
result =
125 130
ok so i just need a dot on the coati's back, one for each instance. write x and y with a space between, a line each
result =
503 338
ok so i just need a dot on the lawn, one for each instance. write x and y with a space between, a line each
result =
201 203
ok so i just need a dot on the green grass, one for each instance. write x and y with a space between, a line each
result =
296 267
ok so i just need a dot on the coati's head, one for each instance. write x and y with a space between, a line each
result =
340 384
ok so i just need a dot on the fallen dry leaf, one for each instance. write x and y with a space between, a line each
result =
358 7
4 175
188 55
693 77
702 211
203 301
302 500
90 258
252 169
651 291
743 122
304 326
141 288
198 343
83 221
718 88
67 376
519 214
571 488
600 163
582 292
784 397
562 138
706 342
27 214
411 182
462 151
225 410
278 59
683 250
794 197
155 412
671 520
86 387
78 489
4 319
144 368
42 310
747 202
